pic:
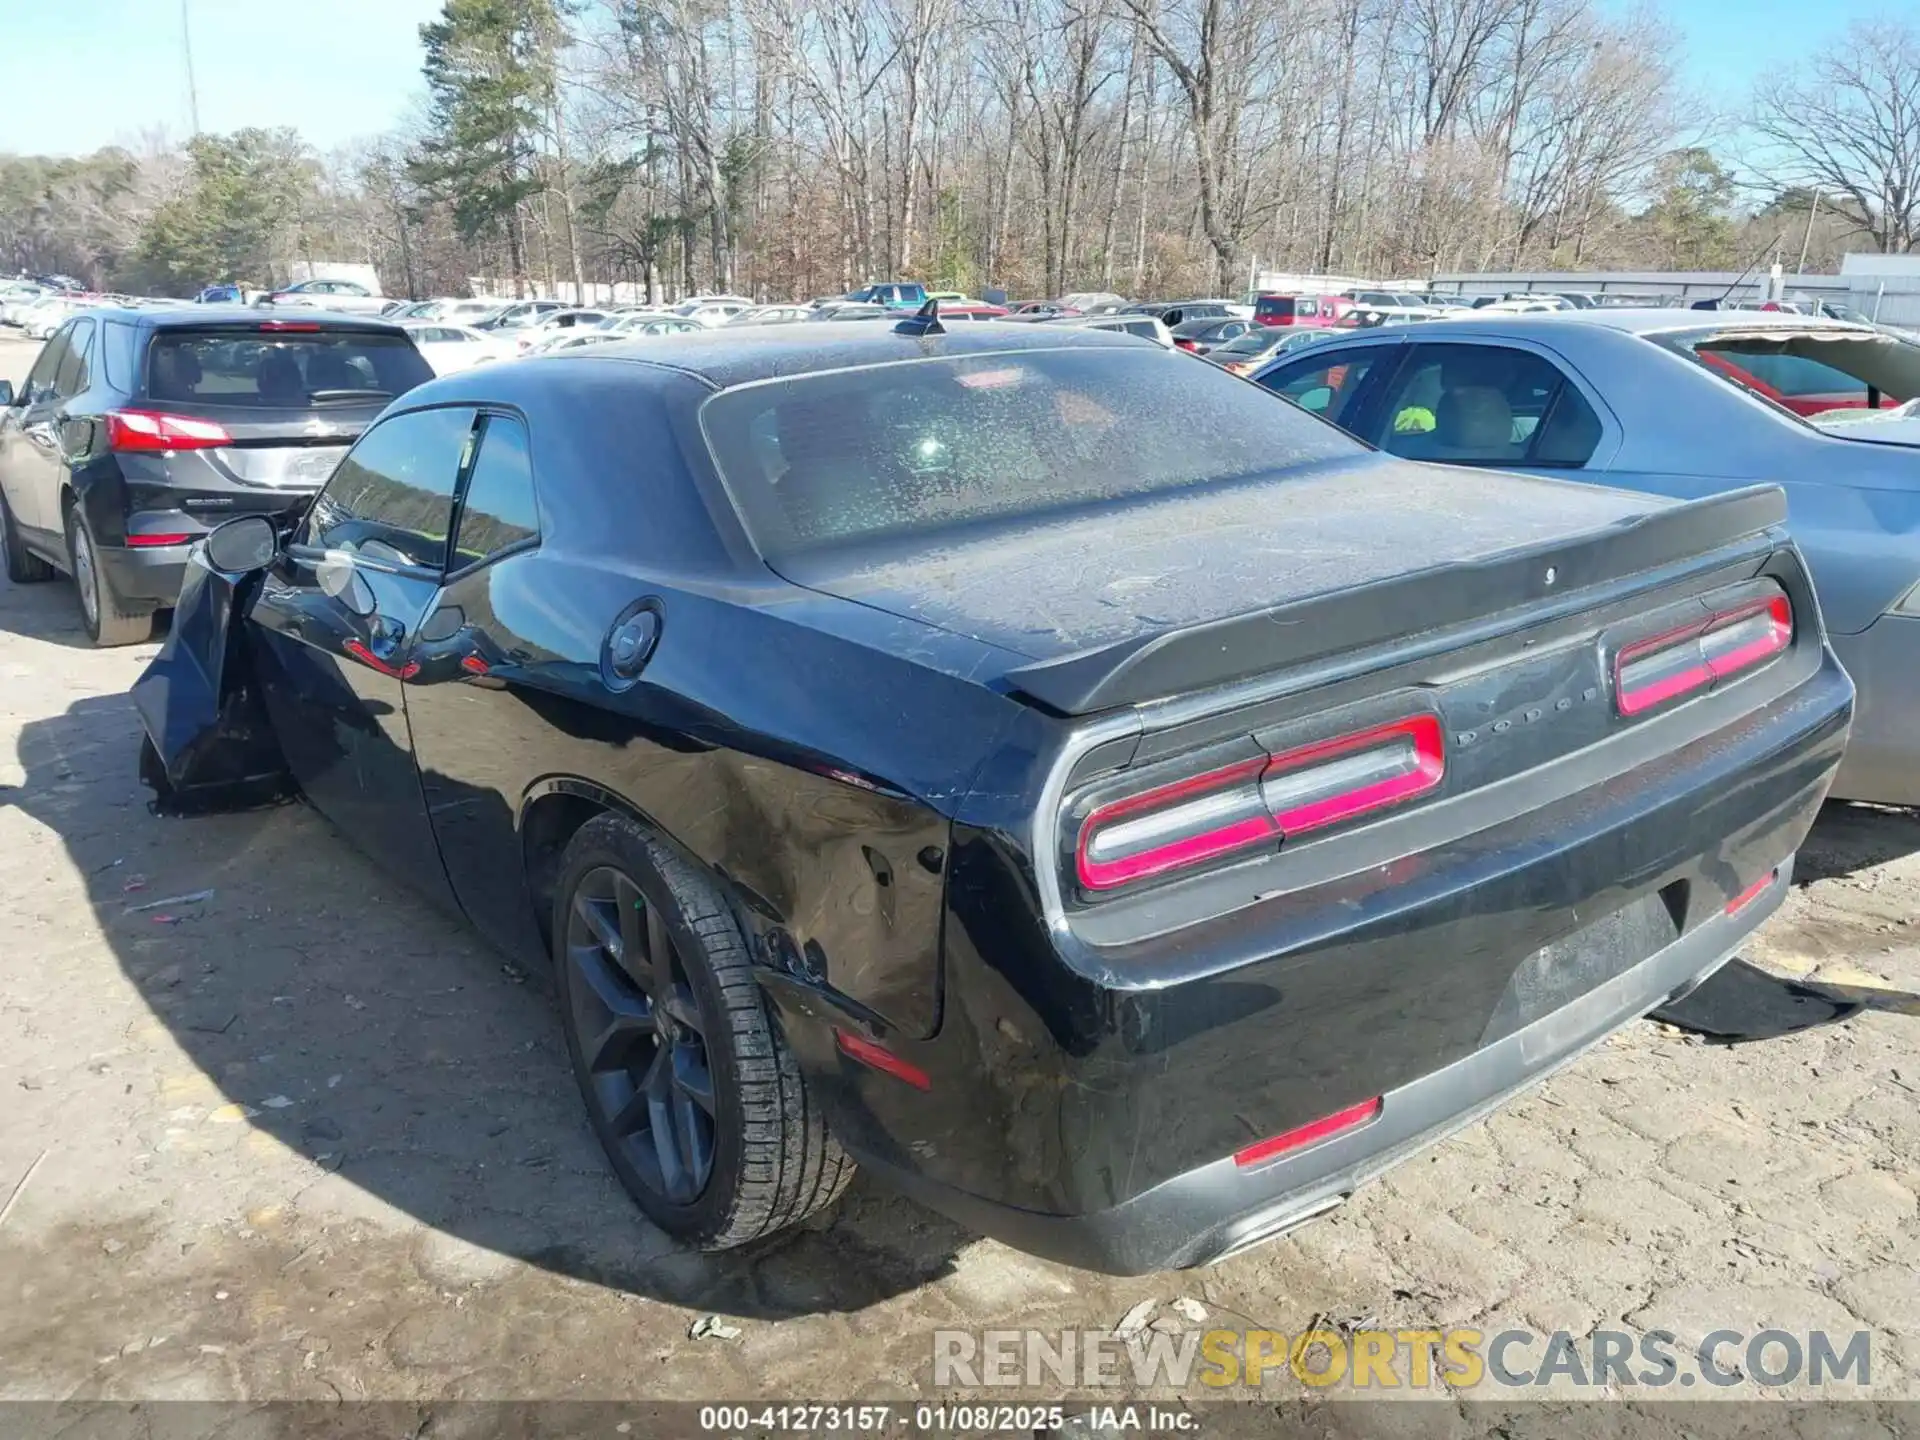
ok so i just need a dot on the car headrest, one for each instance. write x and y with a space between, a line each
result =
1474 417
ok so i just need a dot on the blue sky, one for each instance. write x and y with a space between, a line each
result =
341 69
80 74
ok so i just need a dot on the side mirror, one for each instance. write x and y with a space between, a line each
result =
6 394
242 544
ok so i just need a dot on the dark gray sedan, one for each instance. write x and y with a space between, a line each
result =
1684 403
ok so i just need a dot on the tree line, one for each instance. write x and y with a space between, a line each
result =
798 147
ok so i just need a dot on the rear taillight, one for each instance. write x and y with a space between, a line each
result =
136 430
1685 661
1184 343
1258 802
298 327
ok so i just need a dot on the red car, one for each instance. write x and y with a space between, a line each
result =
1802 385
972 310
1319 311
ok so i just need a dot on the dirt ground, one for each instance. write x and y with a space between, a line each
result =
304 1138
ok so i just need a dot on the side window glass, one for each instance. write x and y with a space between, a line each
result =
499 509
1570 433
1487 405
391 499
1326 386
72 376
40 378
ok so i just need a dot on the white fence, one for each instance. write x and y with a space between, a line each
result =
1890 299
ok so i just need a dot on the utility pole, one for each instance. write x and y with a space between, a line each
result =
186 43
1807 244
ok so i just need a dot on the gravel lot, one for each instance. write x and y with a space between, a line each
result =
307 1138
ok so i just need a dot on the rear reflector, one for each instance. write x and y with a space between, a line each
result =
151 430
1752 893
372 661
1680 662
158 539
878 1057
1312 1133
1259 802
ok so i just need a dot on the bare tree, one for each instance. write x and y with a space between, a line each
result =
1848 124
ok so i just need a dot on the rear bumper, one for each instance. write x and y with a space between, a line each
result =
1883 757
149 575
1216 1210
1092 1115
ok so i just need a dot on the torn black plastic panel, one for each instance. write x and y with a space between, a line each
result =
209 745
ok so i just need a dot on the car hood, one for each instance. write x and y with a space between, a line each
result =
1052 586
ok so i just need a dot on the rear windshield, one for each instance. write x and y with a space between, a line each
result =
1251 343
917 446
277 370
1273 307
1809 371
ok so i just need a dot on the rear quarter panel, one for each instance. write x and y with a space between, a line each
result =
806 751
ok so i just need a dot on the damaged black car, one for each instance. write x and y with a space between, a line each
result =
1113 806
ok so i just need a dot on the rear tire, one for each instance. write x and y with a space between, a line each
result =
23 566
107 619
661 1007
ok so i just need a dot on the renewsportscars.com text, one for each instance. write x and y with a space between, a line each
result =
1383 1360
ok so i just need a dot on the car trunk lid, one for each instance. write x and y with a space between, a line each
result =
1133 603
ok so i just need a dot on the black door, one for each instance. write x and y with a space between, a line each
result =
474 718
336 617
32 462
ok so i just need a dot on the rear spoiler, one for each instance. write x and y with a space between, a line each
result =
1176 662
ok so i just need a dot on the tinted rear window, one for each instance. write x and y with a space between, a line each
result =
916 446
1273 307
280 369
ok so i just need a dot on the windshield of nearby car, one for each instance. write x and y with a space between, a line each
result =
916 446
277 369
1806 372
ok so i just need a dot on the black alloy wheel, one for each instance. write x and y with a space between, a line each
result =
644 1042
689 1083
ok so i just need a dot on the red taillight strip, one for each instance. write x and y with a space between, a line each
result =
1745 637
1679 662
153 430
1194 800
1253 802
1407 758
878 1057
158 539
1314 1131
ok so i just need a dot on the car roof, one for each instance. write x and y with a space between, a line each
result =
729 356
1637 321
199 317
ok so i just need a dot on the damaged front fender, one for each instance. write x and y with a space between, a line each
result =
209 744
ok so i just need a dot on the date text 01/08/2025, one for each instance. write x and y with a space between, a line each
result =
962 1419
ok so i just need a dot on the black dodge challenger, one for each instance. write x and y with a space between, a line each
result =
1113 805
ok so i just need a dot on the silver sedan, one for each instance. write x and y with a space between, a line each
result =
1684 403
